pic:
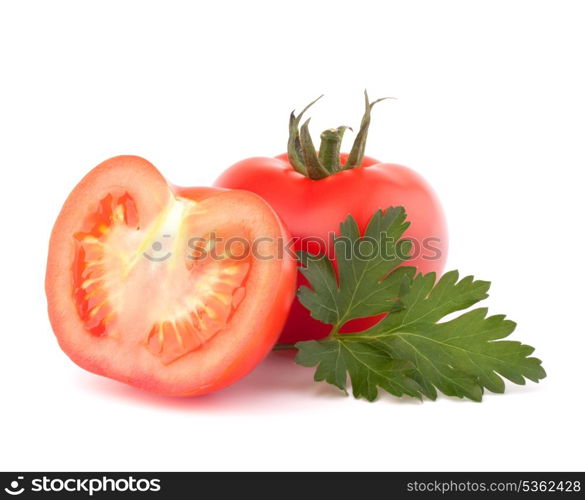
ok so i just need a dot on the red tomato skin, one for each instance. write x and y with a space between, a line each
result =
314 209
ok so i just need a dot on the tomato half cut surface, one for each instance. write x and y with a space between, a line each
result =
178 291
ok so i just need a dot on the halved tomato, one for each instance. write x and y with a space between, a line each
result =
179 291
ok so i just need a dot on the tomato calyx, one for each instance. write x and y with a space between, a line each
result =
305 159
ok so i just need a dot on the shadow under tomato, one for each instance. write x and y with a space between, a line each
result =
276 384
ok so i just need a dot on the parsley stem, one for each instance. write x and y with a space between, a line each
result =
283 347
335 330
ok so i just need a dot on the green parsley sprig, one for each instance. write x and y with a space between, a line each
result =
411 351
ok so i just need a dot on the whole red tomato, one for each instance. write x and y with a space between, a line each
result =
313 192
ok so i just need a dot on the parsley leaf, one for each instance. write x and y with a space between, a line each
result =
362 262
410 351
368 367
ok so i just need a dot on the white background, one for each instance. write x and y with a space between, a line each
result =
490 109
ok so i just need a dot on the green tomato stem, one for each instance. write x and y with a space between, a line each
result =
330 148
304 158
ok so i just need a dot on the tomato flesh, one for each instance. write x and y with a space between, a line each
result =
159 294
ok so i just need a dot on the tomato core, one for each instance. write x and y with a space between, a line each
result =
183 294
